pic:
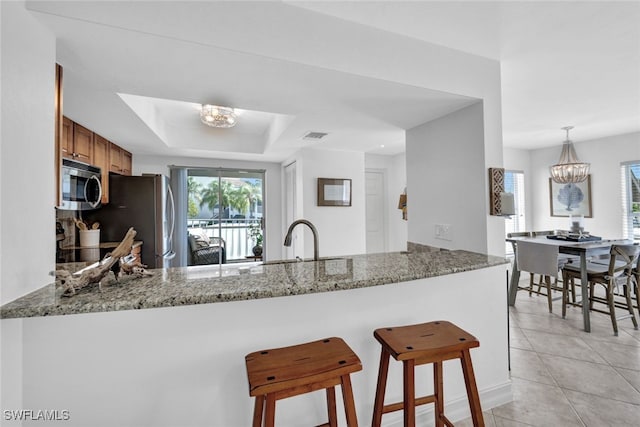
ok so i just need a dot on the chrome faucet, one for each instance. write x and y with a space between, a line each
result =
287 238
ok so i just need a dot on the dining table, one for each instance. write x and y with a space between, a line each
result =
584 249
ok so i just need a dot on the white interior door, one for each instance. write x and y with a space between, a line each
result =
375 211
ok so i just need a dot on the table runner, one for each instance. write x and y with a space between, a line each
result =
538 258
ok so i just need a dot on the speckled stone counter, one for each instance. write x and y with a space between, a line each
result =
216 284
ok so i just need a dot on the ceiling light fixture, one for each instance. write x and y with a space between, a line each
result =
218 117
569 169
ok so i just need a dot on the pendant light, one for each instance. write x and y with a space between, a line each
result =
569 169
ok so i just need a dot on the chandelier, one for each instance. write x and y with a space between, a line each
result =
218 117
569 169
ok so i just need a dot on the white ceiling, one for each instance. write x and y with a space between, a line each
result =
133 71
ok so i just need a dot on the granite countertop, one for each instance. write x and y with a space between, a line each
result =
215 284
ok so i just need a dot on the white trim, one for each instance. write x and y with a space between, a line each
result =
385 195
629 162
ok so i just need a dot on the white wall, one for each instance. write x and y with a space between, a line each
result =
341 229
446 181
605 156
27 217
395 171
27 169
274 234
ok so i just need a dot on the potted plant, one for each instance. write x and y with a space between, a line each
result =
255 232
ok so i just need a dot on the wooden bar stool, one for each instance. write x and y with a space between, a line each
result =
289 371
414 345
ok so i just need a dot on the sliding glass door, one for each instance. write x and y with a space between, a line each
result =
225 209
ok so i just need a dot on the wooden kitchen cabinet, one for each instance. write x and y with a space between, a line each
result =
82 148
79 143
115 156
121 161
101 149
66 140
127 162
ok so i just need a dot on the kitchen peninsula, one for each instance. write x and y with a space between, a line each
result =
173 354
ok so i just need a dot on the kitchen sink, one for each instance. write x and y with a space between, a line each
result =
295 261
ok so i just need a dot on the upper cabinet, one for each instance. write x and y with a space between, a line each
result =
121 160
101 159
127 162
115 154
81 144
66 139
76 142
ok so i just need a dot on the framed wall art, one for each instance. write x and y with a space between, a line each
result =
334 192
570 199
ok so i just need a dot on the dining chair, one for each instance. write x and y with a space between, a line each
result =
562 260
522 234
622 260
636 283
545 280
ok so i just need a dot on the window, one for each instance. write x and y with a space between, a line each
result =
514 183
630 174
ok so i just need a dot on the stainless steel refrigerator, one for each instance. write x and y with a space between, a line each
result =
146 204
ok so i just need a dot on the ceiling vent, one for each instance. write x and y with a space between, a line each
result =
314 136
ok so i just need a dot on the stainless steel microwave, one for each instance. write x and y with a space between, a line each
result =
80 186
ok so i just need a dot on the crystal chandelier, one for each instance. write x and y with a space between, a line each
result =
569 169
218 117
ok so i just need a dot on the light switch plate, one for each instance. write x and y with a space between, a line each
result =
444 232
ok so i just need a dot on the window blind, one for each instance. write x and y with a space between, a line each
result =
514 183
630 187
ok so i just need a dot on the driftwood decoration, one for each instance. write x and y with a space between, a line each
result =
73 283
133 268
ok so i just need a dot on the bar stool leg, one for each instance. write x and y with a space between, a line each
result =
331 407
438 393
472 389
409 393
257 411
380 388
349 403
270 413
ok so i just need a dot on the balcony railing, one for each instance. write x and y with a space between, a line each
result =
234 232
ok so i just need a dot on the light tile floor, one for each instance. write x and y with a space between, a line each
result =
563 376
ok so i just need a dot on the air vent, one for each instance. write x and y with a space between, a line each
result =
314 136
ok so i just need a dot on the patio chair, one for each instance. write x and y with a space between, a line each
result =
206 250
